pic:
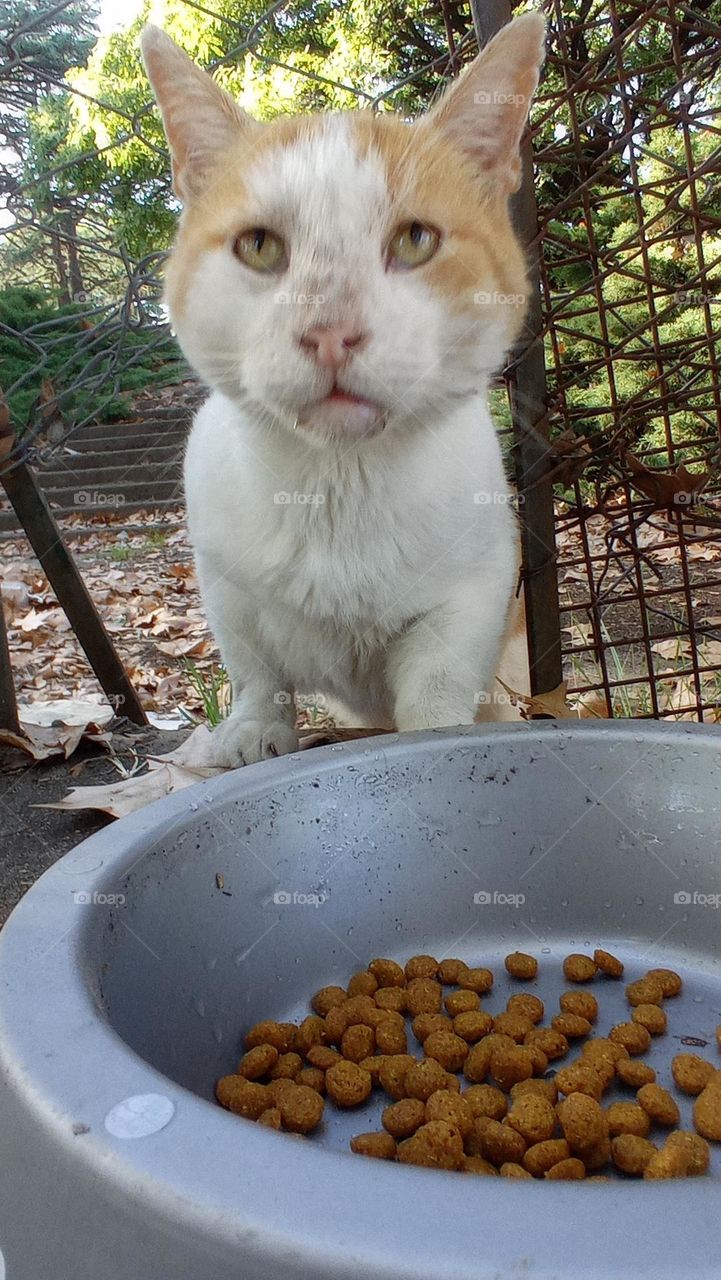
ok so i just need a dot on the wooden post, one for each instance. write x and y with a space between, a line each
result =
8 704
530 426
46 540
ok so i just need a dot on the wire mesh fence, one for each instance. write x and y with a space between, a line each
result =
625 138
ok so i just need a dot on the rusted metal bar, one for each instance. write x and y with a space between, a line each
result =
46 540
529 413
8 703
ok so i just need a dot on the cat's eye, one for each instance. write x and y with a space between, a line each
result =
412 245
260 250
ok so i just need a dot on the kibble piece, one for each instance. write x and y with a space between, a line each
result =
451 1107
579 968
391 1038
608 964
707 1112
601 1047
669 979
634 1073
287 1066
279 1034
571 1025
363 983
538 1058
359 1009
373 1067
328 998
348 1084
485 1100
580 1077
553 1043
651 1017
583 1121
509 1065
271 1119
631 1153
529 1005
691 1073
597 1157
633 1037
313 1078
511 1170
533 1117
423 995
449 971
243 1097
495 1142
571 1170
580 1003
547 1089
258 1062
669 1162
336 1022
393 998
480 980
628 1117
462 1002
358 1042
447 1048
424 1078
301 1108
472 1026
697 1150
644 991
476 1164
522 966
425 1023
659 1105
381 1146
387 973
421 967
436 1145
393 1072
478 1063
403 1118
322 1056
277 1088
515 1025
543 1155
311 1031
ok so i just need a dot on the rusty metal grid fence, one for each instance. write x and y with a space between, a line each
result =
628 195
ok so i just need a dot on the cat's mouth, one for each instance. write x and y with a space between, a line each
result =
343 412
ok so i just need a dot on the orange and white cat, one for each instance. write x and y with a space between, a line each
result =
347 284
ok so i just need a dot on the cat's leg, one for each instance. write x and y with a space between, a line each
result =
262 720
442 668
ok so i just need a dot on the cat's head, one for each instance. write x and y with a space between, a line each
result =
350 271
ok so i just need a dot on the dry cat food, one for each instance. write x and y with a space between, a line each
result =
487 1093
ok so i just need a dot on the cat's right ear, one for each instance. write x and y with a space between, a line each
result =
200 119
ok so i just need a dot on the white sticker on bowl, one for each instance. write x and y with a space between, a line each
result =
139 1116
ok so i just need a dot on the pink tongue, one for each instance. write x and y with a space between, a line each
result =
360 415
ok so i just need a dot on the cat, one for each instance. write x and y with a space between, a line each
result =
346 284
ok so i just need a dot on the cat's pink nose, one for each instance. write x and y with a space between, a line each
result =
330 346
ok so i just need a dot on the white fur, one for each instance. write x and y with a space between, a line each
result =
378 570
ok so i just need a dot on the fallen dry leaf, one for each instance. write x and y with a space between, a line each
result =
41 742
669 490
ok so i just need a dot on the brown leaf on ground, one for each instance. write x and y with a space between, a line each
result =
555 704
41 742
670 490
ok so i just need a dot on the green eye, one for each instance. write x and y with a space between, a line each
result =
260 250
412 245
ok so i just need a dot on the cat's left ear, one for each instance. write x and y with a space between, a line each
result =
201 120
486 109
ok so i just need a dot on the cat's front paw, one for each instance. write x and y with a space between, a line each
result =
236 742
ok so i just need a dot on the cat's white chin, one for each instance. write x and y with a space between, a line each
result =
343 414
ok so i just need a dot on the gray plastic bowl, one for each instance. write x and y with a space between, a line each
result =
130 970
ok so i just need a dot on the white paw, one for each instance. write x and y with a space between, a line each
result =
236 742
